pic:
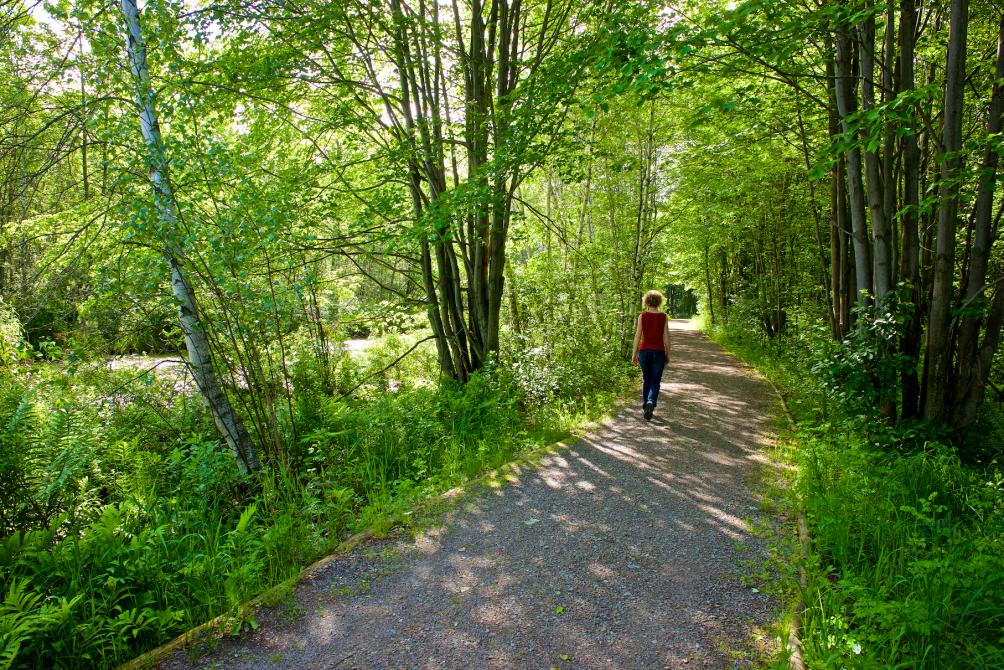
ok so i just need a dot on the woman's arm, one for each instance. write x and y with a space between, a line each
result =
637 342
666 341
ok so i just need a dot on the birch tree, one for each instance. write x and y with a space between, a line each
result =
170 234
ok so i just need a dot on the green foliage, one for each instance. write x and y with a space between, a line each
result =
25 615
564 367
906 562
135 533
303 204
48 460
12 346
432 437
864 368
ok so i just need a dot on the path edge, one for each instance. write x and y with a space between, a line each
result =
530 459
793 642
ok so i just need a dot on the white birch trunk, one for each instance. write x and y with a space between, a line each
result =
227 421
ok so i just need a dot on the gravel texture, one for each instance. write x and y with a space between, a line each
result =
624 550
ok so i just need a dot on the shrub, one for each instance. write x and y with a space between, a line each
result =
906 567
862 371
141 525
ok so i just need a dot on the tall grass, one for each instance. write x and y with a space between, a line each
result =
908 556
145 532
906 563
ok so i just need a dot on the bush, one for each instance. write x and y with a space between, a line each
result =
906 567
423 435
141 525
861 372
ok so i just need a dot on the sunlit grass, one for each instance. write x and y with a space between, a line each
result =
159 537
906 562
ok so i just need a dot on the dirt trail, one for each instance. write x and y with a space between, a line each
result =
624 550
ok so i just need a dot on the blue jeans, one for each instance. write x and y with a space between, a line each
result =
652 363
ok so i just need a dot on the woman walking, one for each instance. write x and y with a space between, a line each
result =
651 349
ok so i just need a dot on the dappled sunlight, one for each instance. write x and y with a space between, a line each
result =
589 464
627 535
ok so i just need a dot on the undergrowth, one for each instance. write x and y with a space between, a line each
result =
125 523
906 560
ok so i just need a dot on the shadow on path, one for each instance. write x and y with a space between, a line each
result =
621 551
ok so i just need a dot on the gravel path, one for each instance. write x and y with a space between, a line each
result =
621 551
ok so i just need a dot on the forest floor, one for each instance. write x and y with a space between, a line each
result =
631 548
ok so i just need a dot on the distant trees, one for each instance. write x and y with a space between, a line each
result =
912 213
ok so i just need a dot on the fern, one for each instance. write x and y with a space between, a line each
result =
72 477
24 616
19 460
48 466
20 415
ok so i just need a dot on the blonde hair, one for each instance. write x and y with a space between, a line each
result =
652 299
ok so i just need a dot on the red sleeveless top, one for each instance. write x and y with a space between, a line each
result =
652 326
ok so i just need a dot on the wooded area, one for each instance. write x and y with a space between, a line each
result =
271 272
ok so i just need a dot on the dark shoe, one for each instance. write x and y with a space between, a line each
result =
649 408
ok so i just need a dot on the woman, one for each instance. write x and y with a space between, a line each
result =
651 349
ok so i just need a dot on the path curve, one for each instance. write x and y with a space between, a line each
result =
622 551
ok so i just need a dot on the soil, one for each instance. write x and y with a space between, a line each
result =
627 549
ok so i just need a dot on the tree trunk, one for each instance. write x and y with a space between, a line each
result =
844 249
939 340
724 288
647 155
837 208
707 281
855 190
586 211
824 271
835 264
910 221
468 243
969 383
518 328
84 167
890 178
227 421
882 271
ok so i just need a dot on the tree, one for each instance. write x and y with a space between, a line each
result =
200 359
471 110
897 187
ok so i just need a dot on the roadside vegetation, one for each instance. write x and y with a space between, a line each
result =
137 527
271 272
905 562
